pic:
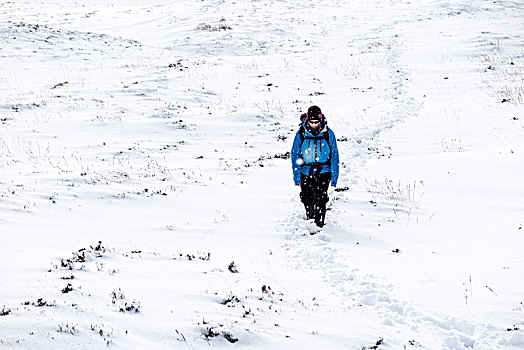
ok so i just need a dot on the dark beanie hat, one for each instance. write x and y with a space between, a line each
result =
314 113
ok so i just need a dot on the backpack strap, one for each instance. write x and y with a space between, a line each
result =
326 135
302 133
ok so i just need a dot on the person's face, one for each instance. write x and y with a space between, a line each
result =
314 123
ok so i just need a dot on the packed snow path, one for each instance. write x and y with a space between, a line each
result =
151 140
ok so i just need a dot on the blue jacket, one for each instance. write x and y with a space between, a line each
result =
315 149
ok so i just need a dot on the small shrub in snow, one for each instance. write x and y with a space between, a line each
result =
66 328
229 337
198 256
232 267
67 289
117 295
286 155
39 303
99 249
68 264
451 144
4 311
247 312
230 300
504 76
209 332
269 109
133 307
397 193
220 26
412 343
103 331
80 256
377 344
341 189
181 66
118 298
520 307
267 290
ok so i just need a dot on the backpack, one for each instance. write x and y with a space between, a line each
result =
325 136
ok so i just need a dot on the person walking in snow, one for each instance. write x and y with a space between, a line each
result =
315 161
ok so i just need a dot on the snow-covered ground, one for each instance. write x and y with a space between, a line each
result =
146 195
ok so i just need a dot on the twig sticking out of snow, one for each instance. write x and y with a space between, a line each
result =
60 84
491 290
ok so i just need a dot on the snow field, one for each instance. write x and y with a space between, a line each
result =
161 130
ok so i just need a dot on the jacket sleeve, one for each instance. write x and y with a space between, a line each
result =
334 158
296 158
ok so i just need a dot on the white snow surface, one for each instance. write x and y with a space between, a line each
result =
146 193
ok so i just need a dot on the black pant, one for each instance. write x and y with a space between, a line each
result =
314 195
